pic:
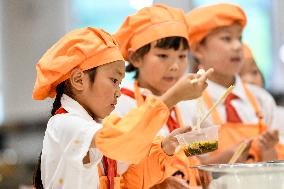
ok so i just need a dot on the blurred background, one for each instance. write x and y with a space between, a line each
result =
29 27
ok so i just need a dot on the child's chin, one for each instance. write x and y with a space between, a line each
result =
108 112
168 87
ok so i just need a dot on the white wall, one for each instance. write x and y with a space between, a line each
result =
277 83
186 5
1 73
30 27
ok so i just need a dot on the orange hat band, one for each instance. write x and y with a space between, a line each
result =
157 31
199 36
107 55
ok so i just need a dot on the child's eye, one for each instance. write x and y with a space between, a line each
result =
162 56
182 56
254 72
226 38
114 80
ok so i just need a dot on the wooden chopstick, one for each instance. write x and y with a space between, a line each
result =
199 100
219 101
238 152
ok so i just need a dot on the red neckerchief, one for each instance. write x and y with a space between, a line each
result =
231 112
60 111
110 168
171 123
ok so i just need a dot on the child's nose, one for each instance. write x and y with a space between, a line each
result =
117 93
237 45
174 66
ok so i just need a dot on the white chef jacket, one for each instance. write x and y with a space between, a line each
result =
66 142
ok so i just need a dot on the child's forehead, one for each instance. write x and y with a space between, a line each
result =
116 67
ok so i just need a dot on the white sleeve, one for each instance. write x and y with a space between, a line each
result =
75 136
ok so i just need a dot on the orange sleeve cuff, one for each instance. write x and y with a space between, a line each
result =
129 138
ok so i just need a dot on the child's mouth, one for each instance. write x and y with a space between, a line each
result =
169 79
236 59
113 105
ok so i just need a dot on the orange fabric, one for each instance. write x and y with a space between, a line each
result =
231 113
84 48
137 94
203 20
183 164
233 133
104 183
193 172
139 126
157 159
150 24
171 123
280 151
209 102
153 169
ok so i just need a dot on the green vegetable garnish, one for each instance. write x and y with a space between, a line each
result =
202 147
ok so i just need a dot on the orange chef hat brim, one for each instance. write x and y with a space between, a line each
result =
84 48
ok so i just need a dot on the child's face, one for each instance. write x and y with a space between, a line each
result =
222 50
160 68
250 73
100 97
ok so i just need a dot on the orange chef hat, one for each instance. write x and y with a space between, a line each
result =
247 52
203 20
150 24
84 48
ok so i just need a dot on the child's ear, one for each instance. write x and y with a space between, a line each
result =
197 50
135 61
77 79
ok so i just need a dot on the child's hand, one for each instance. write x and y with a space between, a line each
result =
172 182
188 87
269 139
170 143
266 142
191 86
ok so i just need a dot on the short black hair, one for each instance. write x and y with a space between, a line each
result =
164 43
